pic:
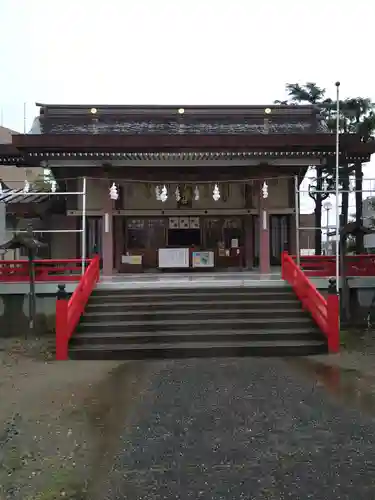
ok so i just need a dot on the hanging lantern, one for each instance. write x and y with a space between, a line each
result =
157 193
113 193
164 194
196 193
26 187
178 194
265 190
216 193
53 186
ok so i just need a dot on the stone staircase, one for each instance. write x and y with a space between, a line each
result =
201 322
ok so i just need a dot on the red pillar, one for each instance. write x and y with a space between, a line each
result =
264 236
62 300
333 317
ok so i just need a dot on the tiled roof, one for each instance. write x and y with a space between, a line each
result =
173 120
18 196
104 125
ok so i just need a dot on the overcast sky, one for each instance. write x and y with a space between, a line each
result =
179 51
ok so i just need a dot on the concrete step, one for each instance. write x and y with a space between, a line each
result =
182 289
197 350
126 337
183 314
162 295
204 303
165 323
193 324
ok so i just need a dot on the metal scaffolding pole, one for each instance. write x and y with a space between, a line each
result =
337 187
83 234
297 209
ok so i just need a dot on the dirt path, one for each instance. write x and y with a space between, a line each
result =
58 421
358 355
62 425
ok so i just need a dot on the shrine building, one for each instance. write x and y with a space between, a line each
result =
176 187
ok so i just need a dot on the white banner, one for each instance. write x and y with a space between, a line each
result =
173 258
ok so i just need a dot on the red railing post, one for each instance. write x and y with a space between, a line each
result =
283 255
333 317
96 258
61 324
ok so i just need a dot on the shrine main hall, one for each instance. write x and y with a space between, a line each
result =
176 187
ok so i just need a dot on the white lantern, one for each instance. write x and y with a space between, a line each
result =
164 194
26 187
196 193
53 186
216 193
113 193
265 190
178 194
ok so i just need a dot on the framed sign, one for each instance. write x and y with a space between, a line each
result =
203 259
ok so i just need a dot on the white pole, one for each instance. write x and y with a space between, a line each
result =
296 190
327 243
24 117
337 187
83 234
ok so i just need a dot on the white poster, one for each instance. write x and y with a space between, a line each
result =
170 258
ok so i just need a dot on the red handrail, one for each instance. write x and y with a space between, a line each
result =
69 312
324 312
325 265
52 270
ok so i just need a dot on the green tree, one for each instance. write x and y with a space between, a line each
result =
310 93
360 117
43 182
357 116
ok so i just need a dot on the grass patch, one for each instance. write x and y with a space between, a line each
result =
62 483
351 339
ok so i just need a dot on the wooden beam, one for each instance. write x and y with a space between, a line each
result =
160 174
130 143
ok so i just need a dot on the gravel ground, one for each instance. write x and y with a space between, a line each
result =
241 429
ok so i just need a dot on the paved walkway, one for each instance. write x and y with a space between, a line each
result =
241 429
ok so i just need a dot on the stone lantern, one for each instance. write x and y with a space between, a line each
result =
28 242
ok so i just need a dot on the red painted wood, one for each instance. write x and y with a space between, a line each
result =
81 294
46 270
61 329
313 301
69 312
325 265
333 308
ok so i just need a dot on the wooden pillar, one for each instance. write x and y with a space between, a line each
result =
107 233
292 222
249 250
264 236
119 240
292 234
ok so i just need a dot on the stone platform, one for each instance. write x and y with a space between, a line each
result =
190 280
